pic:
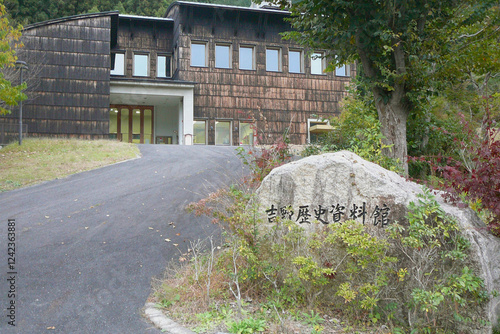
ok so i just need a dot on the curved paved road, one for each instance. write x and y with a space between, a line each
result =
85 250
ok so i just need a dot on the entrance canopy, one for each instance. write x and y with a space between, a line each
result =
171 104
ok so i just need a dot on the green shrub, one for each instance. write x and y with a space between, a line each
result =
414 276
357 129
496 329
442 292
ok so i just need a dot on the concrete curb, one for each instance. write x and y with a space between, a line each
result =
159 319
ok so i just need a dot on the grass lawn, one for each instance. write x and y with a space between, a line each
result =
38 160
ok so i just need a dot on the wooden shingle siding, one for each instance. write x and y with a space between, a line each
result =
72 98
44 44
52 85
73 59
77 100
66 113
275 100
76 29
74 73
151 38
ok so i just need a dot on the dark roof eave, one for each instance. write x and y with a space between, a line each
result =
211 5
145 18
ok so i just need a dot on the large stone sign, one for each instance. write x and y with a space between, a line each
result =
334 187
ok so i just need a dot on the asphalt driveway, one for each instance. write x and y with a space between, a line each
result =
87 246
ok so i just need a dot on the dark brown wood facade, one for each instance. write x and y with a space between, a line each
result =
72 96
274 100
143 36
75 56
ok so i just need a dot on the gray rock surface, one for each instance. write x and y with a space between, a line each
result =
342 185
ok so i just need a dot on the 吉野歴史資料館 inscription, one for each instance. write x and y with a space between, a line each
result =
334 213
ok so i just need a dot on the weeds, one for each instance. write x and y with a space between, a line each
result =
166 303
247 326
417 276
312 318
412 277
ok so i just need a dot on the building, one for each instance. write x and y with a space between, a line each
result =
203 74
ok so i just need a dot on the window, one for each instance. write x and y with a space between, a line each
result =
343 71
246 134
273 60
200 132
198 54
222 56
246 58
295 62
117 64
147 131
136 126
164 66
123 134
317 63
113 123
141 62
222 133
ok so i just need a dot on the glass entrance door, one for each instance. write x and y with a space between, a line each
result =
131 124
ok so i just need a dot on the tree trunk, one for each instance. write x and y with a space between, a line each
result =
393 114
393 117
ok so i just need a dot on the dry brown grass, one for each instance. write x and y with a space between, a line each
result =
194 311
38 160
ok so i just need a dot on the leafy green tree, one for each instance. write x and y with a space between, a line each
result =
477 59
119 7
9 36
94 9
467 82
31 11
397 44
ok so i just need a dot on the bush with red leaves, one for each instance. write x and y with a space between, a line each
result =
476 174
262 162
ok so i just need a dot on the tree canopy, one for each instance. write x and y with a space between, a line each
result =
9 95
30 11
401 46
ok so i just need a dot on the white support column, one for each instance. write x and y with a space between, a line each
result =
187 117
181 121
